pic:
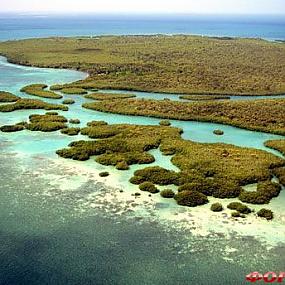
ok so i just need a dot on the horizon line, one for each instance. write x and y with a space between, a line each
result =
135 13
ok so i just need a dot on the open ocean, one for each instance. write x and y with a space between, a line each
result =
18 26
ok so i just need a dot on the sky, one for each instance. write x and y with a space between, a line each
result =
146 6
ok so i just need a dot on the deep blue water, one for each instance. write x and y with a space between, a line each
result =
27 26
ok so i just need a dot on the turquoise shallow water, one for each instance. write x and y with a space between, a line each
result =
13 76
175 97
50 234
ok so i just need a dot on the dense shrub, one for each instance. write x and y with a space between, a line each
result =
167 193
149 187
52 113
226 189
74 121
130 143
122 165
266 190
109 96
237 214
73 90
34 118
104 174
56 87
68 101
218 132
70 131
161 63
96 123
157 175
165 123
8 97
216 170
45 126
190 198
137 180
23 104
38 90
73 154
277 145
217 207
206 186
265 213
241 208
12 128
280 174
129 157
100 131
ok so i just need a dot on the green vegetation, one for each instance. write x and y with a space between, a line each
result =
265 213
190 198
277 145
44 123
165 123
108 96
117 159
182 64
239 207
56 87
217 170
52 113
259 115
38 90
73 91
217 207
102 131
266 190
24 104
74 121
7 97
280 174
104 174
167 193
227 163
218 132
122 165
70 131
96 123
12 128
149 187
218 188
68 101
156 175
204 97
237 214
45 126
128 143
239 66
35 118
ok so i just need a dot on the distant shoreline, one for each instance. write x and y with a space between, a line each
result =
177 64
41 25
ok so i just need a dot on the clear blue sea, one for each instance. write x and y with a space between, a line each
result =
18 26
